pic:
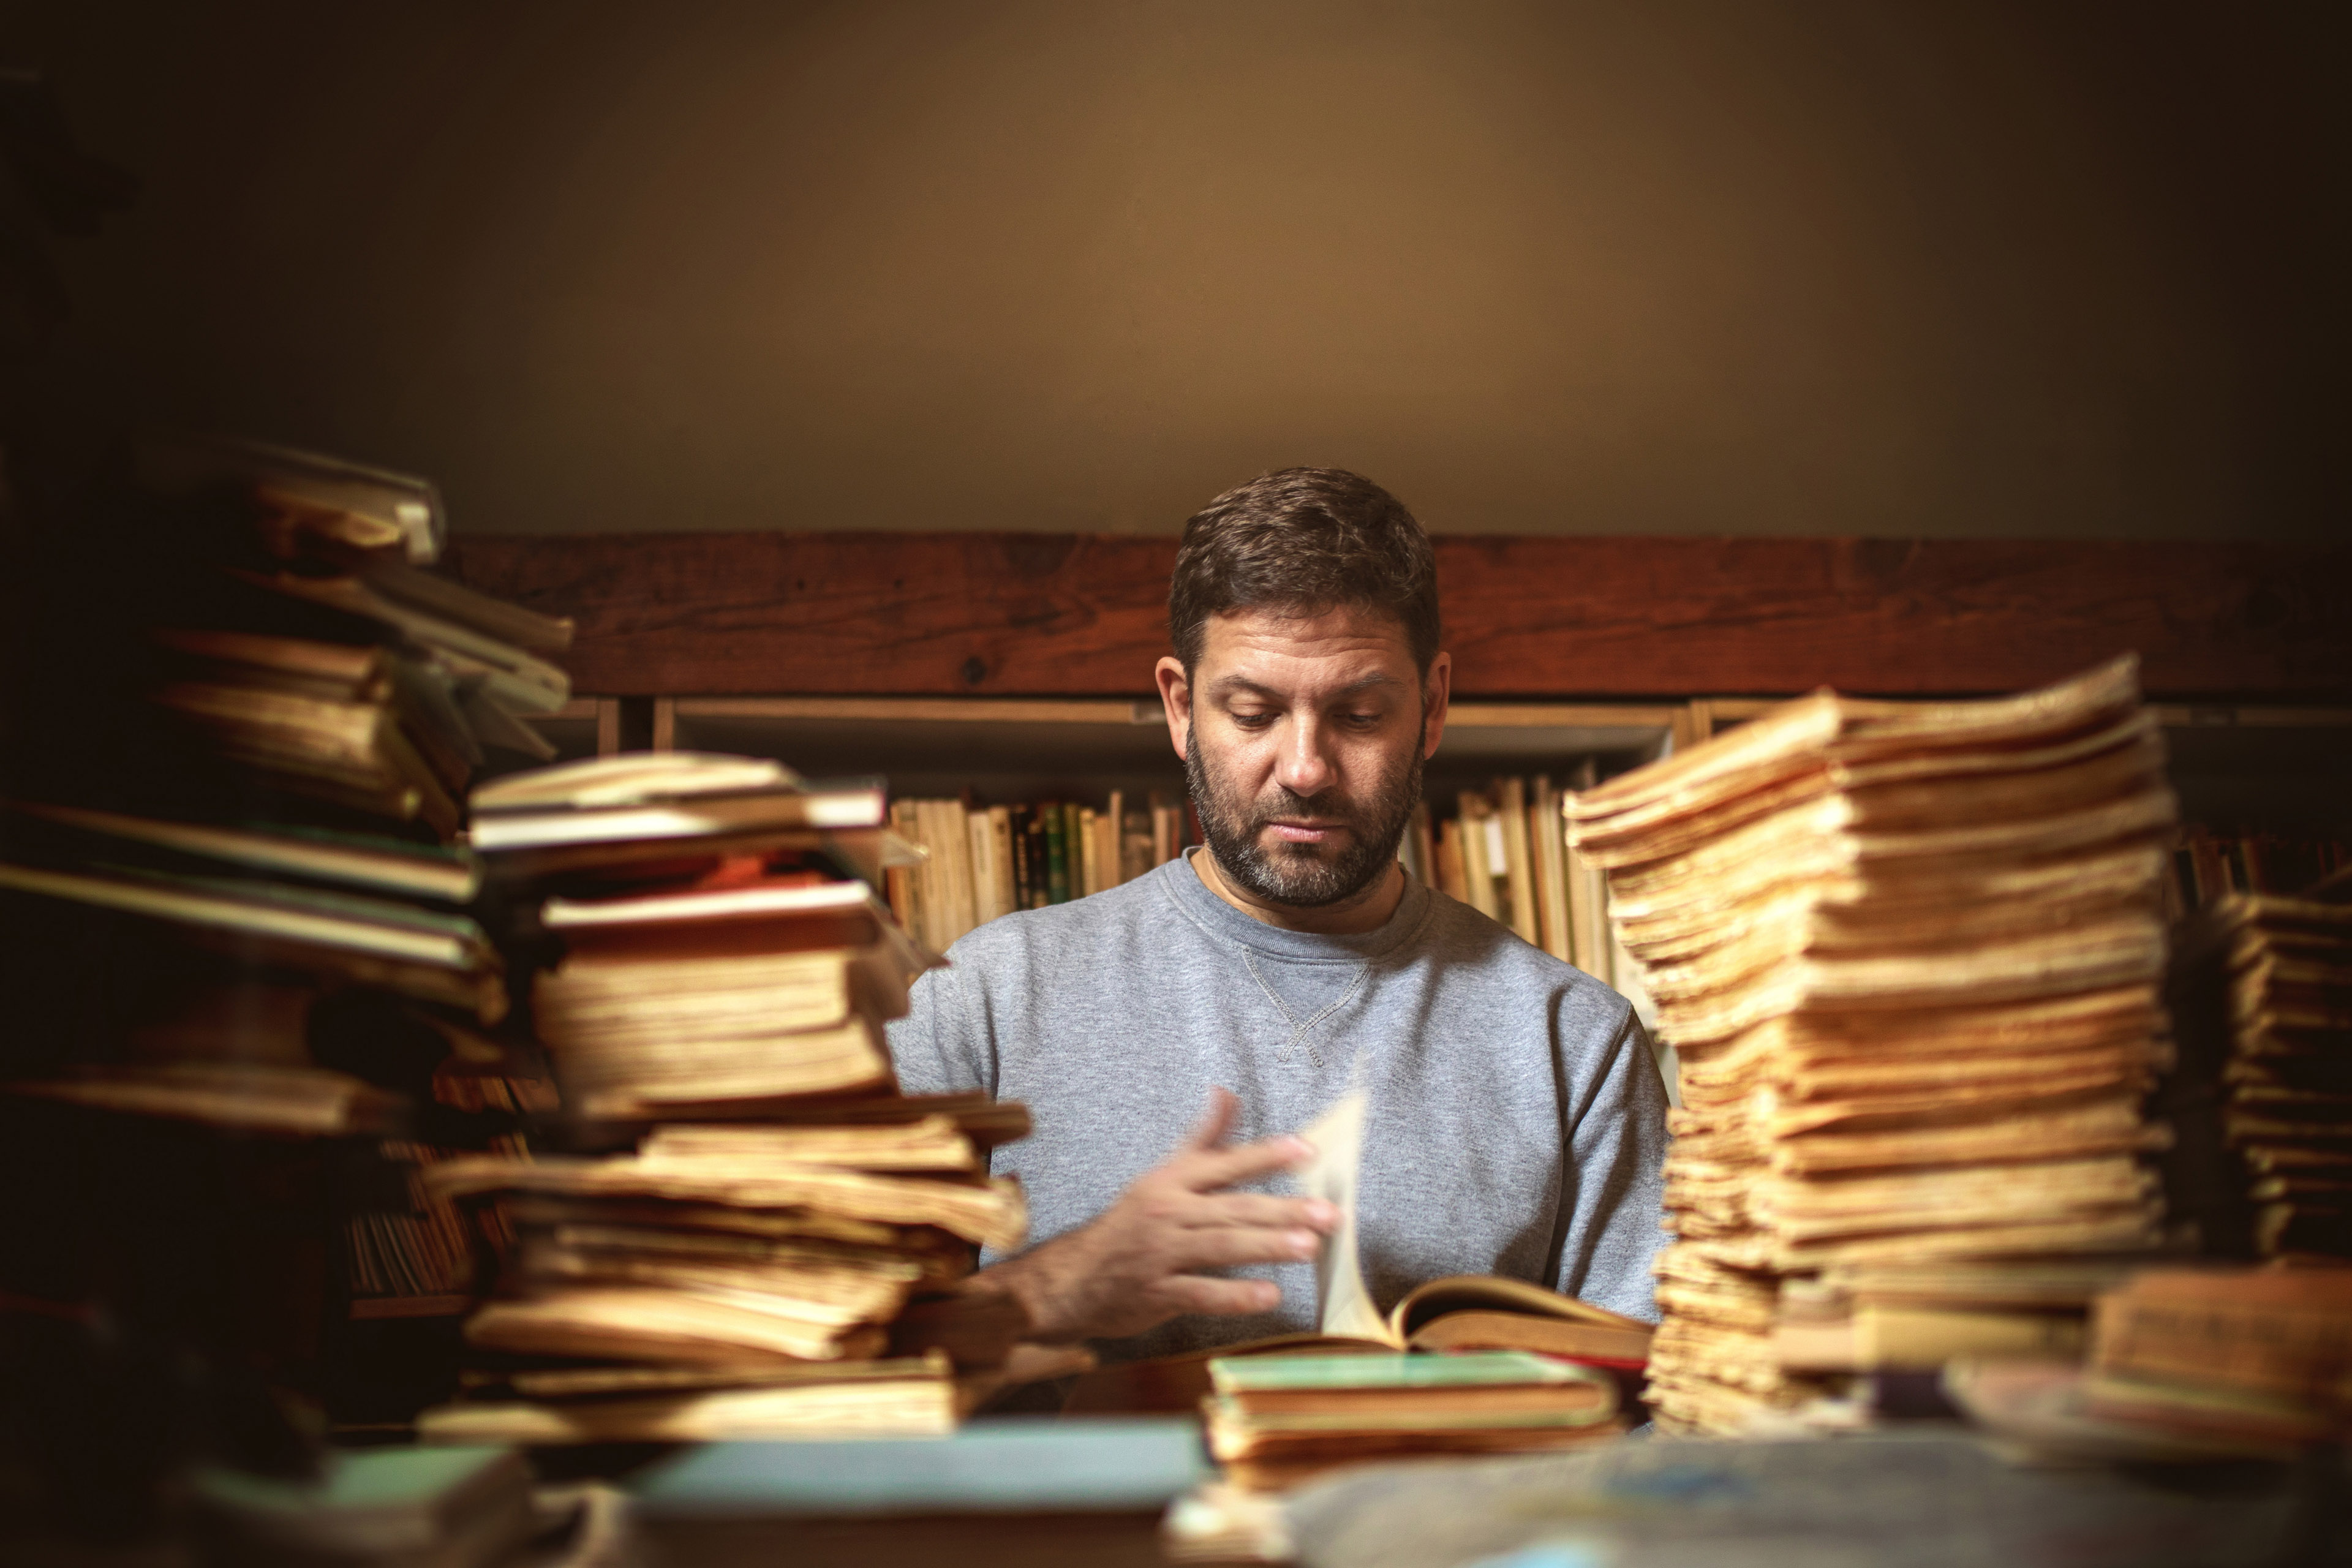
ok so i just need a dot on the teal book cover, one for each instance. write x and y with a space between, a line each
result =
1015 1465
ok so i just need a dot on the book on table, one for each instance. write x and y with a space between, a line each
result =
1463 1314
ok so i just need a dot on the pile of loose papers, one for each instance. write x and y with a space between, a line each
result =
1910 955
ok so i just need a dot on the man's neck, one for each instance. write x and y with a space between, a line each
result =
1365 912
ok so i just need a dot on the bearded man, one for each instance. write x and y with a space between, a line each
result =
1516 1118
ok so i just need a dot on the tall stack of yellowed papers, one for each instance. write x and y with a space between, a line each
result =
1910 955
755 1235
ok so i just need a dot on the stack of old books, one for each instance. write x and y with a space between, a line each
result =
248 781
1274 1421
758 1236
249 985
313 652
2271 977
1910 955
2185 1363
2260 1355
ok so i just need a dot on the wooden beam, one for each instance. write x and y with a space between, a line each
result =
1084 614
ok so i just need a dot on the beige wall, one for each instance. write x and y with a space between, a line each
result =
1803 267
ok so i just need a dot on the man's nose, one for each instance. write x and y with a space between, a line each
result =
1305 767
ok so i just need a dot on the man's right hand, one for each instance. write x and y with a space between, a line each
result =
1135 1266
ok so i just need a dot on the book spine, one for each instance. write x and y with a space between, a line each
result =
1517 864
1057 855
1548 833
1016 828
909 884
1409 849
1477 869
2252 1344
1006 897
1114 840
1090 872
984 907
937 897
1450 880
955 827
1033 854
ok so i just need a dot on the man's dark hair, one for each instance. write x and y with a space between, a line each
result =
1304 540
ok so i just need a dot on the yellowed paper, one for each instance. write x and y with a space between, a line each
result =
1338 1137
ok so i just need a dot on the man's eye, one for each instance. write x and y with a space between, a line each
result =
1253 720
1363 720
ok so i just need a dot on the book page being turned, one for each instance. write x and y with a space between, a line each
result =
1338 1137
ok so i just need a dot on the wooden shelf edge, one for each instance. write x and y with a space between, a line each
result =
1082 616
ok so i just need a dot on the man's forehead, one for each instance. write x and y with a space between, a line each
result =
1352 646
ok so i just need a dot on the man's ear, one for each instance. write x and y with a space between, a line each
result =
1435 689
1176 698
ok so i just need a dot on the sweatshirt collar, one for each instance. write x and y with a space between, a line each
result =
1184 886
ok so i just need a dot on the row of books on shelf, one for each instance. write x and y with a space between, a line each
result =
978 862
2209 865
1502 850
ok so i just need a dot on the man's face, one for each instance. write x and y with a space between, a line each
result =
1305 748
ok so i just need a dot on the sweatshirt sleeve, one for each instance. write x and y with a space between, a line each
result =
936 1047
1614 1185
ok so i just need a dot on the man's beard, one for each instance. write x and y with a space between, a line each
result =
1302 876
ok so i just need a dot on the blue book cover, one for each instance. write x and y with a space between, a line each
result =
1000 1465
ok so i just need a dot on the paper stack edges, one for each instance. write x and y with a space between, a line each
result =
1910 955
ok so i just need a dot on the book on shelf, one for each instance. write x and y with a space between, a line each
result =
2212 864
1910 956
427 1251
1505 852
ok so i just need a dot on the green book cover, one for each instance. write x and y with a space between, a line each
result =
1471 1369
1057 855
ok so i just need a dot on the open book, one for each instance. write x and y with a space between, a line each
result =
1470 1311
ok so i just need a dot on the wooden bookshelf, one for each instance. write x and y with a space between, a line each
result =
1014 665
992 615
1017 749
583 727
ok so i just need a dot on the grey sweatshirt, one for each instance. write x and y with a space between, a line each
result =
1515 1124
